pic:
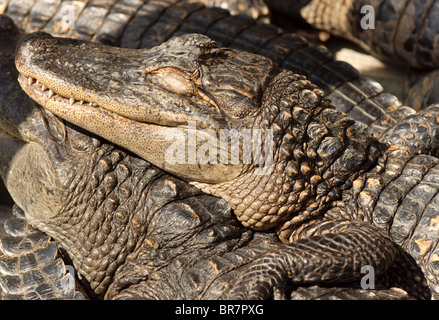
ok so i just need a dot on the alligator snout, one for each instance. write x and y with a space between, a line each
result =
33 42
7 25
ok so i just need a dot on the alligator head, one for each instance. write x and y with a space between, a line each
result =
146 99
300 151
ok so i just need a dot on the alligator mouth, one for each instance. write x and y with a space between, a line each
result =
147 140
46 96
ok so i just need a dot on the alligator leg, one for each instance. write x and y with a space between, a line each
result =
209 276
336 252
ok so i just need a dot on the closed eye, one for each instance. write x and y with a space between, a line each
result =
173 80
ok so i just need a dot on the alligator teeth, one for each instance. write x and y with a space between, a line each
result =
71 101
95 105
30 81
43 88
81 102
50 93
37 82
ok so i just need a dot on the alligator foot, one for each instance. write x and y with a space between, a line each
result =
331 256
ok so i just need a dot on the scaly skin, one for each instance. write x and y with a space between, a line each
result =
405 32
275 259
326 167
145 24
422 88
133 231
30 267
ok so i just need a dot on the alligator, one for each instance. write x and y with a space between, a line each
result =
145 24
328 178
132 230
421 88
404 32
302 231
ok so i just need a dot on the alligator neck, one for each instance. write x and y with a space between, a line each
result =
318 152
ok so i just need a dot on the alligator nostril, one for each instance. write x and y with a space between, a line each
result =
33 40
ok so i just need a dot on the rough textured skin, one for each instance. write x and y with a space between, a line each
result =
422 89
265 98
133 231
405 32
285 259
145 24
30 267
112 200
418 132
328 169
